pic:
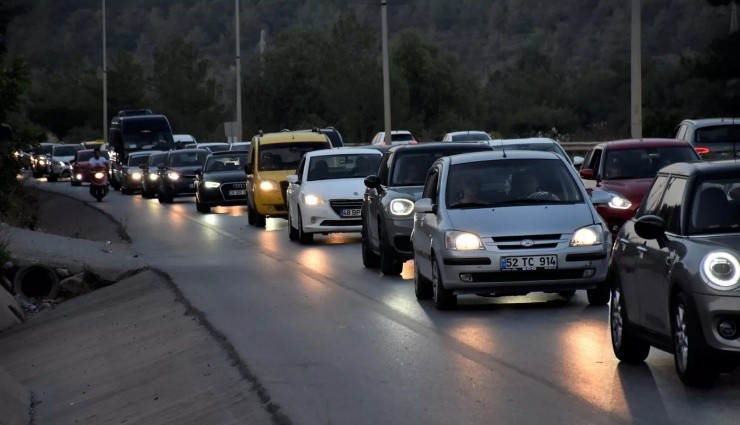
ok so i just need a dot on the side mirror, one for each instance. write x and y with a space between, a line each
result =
293 179
577 161
424 206
587 174
650 227
372 182
601 197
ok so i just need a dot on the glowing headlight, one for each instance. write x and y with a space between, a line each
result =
42 162
153 176
619 202
173 175
462 241
268 185
212 185
99 175
720 270
587 236
78 176
401 207
312 200
136 176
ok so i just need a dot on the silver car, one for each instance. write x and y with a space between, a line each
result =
507 223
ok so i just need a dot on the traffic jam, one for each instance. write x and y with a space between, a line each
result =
649 227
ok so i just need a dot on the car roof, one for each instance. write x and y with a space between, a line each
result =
396 132
188 150
704 122
501 155
292 136
529 141
212 144
440 146
455 133
642 143
229 153
342 151
142 153
702 167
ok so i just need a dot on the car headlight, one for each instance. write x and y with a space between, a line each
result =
212 185
268 185
78 176
173 175
401 207
720 270
42 162
153 176
462 241
136 176
620 202
587 236
312 200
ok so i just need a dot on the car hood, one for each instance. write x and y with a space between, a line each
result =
522 220
409 192
632 189
336 188
225 176
186 170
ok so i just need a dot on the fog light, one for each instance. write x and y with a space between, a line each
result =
466 277
313 220
727 329
589 272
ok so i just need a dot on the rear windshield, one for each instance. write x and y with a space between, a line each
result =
403 137
718 134
188 159
343 166
716 207
644 162
285 156
66 150
85 156
410 168
511 182
470 137
226 163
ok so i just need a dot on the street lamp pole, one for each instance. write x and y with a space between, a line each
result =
105 82
238 77
636 71
386 72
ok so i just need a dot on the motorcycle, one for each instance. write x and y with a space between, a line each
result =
98 183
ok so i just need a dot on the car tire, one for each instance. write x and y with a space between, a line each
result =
599 295
251 216
423 288
36 174
303 237
388 264
114 184
52 178
627 347
203 209
292 231
444 299
691 353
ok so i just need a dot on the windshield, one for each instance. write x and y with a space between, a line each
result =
511 182
226 163
285 156
542 147
85 156
473 136
410 168
135 161
644 162
343 166
156 159
44 149
66 150
716 207
188 159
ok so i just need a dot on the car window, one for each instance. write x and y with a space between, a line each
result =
670 205
542 147
188 159
652 199
716 207
85 156
473 136
301 168
329 167
225 163
431 186
135 161
156 159
643 162
383 169
285 156
410 167
402 137
595 161
717 134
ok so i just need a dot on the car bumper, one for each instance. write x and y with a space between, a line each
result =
480 271
59 169
398 233
181 187
714 309
270 203
323 219
222 195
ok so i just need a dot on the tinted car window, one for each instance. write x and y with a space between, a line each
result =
285 156
221 147
157 158
430 186
652 200
470 137
717 134
226 163
188 159
135 161
401 137
45 149
716 207
644 162
670 206
342 166
410 167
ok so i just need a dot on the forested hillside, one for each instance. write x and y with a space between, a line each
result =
512 66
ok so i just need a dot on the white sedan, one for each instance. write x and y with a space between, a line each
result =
325 194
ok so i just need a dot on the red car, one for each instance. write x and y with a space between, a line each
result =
80 169
627 168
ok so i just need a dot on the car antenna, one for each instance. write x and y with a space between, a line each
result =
503 149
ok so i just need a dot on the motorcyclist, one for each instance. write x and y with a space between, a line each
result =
98 161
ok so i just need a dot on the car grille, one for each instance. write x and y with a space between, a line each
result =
507 243
227 187
526 276
343 204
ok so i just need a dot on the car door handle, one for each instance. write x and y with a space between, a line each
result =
642 248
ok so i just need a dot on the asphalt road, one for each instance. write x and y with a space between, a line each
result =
335 343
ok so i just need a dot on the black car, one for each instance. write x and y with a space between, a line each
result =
388 204
221 181
150 174
131 175
177 175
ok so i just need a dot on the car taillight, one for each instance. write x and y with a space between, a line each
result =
413 142
701 150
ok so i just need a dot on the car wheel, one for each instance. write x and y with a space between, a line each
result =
303 237
65 174
626 346
598 295
388 264
292 231
369 258
204 209
114 184
444 299
690 350
260 220
423 288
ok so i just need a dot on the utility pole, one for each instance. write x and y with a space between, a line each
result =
105 83
238 77
636 71
733 18
386 72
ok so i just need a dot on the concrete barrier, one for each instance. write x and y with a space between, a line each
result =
14 401
10 312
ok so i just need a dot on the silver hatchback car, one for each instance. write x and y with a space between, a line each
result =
507 223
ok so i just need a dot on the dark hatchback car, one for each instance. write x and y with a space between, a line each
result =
177 175
221 181
150 174
388 204
675 272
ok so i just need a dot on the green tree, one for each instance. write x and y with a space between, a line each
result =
127 84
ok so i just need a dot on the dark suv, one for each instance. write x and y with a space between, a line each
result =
177 176
388 203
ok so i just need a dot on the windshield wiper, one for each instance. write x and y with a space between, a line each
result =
468 204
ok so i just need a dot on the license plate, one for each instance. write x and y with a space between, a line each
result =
237 192
532 262
354 212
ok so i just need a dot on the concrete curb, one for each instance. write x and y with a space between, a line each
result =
14 400
10 312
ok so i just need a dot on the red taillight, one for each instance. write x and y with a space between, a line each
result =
413 142
701 150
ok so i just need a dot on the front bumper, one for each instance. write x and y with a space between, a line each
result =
270 203
481 272
80 175
325 219
713 309
133 183
227 194
181 187
398 233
